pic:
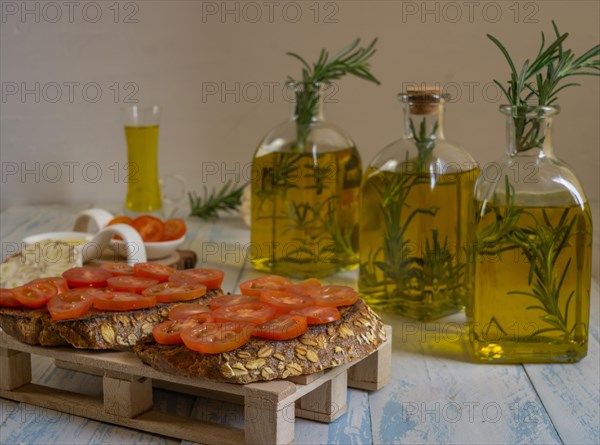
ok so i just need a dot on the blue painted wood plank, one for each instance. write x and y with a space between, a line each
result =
39 219
354 427
437 396
570 392
34 425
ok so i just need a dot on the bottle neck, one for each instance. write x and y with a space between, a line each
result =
531 134
424 121
307 102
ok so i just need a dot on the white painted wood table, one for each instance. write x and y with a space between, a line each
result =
435 395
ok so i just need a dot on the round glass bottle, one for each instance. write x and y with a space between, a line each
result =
533 250
306 176
416 217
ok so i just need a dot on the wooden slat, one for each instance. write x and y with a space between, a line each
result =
152 421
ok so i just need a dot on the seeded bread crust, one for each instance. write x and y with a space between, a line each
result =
358 333
95 330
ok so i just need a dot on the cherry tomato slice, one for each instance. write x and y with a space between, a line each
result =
150 228
255 313
71 304
59 282
120 220
86 277
7 299
186 310
335 296
214 338
117 269
256 285
285 301
284 327
175 228
35 295
306 287
230 300
211 278
155 271
169 292
130 284
318 314
169 332
123 301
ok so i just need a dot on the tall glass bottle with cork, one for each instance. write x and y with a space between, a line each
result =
416 217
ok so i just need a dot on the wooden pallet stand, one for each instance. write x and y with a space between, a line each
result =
270 408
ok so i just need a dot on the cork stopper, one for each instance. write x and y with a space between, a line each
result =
423 100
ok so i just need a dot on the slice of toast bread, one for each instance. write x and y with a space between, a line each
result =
94 330
358 333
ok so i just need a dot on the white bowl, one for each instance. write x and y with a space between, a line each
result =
154 250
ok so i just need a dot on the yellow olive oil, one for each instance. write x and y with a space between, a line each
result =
415 238
305 212
143 191
532 289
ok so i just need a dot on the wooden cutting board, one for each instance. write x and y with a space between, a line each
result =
180 259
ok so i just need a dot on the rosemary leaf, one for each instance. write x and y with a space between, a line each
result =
227 199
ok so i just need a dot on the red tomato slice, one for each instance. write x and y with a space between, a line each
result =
86 277
59 282
150 228
35 295
306 287
117 269
335 296
230 300
256 285
169 292
154 271
214 338
120 220
130 283
71 304
255 313
285 301
187 310
175 228
283 327
211 278
169 332
7 299
318 314
123 301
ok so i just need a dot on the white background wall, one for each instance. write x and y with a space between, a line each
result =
173 53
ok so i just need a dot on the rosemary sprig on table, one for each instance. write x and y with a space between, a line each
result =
540 80
351 60
207 207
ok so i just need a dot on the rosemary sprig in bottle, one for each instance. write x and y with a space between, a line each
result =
351 60
540 80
